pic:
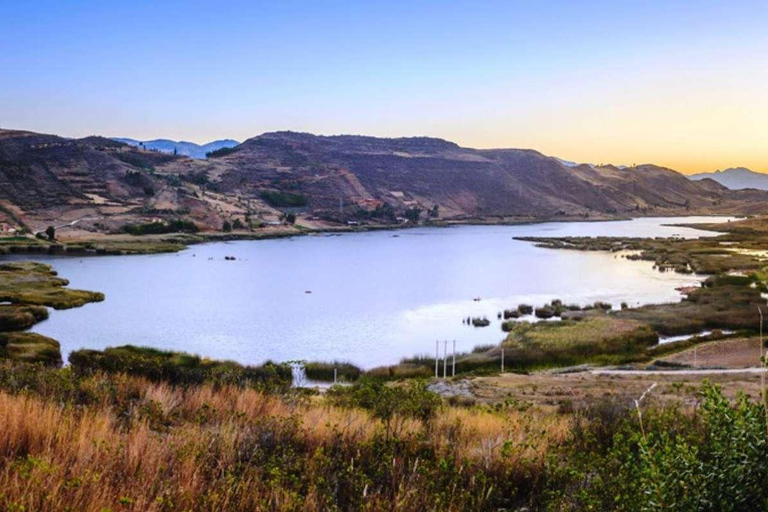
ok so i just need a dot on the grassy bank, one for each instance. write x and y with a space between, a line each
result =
27 289
29 347
178 368
599 339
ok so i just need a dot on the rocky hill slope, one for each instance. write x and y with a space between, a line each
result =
101 184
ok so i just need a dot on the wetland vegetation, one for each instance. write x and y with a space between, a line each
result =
26 290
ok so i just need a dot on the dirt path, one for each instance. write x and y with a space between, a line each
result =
706 371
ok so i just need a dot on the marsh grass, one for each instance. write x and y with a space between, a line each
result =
711 307
27 288
178 368
601 338
19 318
29 347
37 284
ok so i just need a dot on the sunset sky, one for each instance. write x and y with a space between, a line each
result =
680 84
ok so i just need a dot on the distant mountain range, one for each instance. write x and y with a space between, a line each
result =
736 178
181 147
105 184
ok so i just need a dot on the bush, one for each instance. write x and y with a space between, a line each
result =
714 460
545 312
390 404
525 309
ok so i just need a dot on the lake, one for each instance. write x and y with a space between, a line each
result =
375 297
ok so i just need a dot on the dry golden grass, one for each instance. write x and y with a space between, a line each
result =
178 449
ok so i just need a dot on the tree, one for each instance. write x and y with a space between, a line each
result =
237 224
412 214
227 227
288 218
175 151
434 211
50 232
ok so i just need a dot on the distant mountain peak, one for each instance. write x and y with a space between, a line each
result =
735 178
181 147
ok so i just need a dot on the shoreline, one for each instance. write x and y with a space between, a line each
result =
501 336
124 245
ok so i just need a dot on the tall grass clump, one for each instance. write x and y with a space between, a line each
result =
117 442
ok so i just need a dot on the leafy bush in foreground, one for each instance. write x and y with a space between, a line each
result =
714 460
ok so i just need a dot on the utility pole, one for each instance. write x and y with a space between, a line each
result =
759 310
453 372
437 357
445 358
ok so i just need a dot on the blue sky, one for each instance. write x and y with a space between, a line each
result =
677 83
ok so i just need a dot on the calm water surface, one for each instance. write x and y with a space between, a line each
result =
376 297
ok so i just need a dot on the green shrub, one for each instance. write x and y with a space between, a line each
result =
545 312
390 404
525 309
714 460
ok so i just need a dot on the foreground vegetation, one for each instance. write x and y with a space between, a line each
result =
109 441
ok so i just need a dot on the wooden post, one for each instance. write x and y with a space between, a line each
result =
502 359
334 376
